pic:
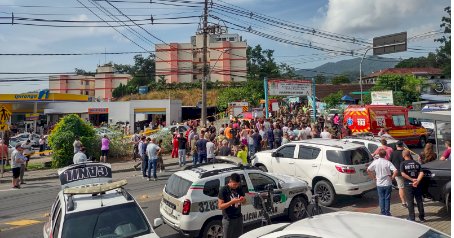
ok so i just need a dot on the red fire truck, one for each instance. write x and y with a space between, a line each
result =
371 118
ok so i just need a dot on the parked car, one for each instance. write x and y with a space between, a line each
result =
34 138
331 167
373 142
190 198
106 131
436 183
346 225
170 129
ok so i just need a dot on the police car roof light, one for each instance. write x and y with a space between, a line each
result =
95 188
126 194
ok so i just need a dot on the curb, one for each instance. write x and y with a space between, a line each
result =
54 176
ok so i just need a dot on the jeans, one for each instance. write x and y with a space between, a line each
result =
411 194
195 158
202 158
182 156
232 228
144 165
270 144
152 165
384 199
251 151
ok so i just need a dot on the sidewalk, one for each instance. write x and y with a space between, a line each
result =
45 174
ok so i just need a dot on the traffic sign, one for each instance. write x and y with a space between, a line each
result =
390 43
5 115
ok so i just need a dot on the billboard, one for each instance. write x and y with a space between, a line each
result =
382 97
278 87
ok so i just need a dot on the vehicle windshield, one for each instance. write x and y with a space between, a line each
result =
125 220
177 187
433 234
349 157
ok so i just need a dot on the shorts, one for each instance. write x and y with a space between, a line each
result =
16 172
400 182
104 152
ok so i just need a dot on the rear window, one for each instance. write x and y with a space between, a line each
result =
211 188
177 187
349 157
129 221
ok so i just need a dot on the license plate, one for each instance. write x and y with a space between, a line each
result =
167 209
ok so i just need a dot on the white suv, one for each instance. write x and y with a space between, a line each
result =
190 198
331 167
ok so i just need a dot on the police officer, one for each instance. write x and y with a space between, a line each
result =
230 199
412 173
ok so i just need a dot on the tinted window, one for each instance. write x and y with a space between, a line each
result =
399 120
433 234
287 151
243 183
372 147
349 157
211 188
55 208
260 181
308 152
177 187
128 221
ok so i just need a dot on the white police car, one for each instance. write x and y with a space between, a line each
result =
190 205
89 205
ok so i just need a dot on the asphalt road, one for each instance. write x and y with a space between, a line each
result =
30 205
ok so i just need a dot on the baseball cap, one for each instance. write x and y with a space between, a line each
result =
400 143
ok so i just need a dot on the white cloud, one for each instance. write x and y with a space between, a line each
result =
369 16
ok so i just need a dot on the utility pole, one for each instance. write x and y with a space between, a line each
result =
205 64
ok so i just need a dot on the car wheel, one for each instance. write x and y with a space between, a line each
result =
422 142
263 168
297 209
326 192
213 229
448 202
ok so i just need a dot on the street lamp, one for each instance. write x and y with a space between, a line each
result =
361 73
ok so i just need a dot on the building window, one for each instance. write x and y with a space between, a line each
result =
86 92
87 82
232 39
81 92
81 82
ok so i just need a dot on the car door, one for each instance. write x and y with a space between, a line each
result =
307 163
284 160
260 182
247 209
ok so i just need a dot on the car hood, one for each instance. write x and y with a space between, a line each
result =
438 165
264 230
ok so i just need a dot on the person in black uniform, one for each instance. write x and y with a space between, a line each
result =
412 173
230 199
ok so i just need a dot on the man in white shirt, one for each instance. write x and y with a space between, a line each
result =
302 135
380 170
210 148
325 134
17 159
80 157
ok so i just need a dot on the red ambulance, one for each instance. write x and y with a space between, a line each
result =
371 118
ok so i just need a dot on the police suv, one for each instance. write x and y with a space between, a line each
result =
90 205
190 198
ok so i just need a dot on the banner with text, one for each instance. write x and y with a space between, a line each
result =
278 87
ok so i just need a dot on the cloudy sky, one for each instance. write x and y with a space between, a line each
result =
338 26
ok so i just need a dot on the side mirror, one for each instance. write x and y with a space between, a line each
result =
157 223
274 154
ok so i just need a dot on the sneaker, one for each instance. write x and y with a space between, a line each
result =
155 179
149 179
22 183
404 205
422 220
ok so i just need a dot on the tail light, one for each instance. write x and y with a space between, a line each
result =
186 207
345 169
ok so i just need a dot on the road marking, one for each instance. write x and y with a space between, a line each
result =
23 222
9 189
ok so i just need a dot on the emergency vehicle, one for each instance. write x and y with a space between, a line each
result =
90 205
372 118
190 198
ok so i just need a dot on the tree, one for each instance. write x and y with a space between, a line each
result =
63 135
406 88
333 99
260 63
83 72
444 52
340 79
320 79
420 62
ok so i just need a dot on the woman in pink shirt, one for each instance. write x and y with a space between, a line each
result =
104 148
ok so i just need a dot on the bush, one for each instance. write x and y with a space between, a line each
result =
63 135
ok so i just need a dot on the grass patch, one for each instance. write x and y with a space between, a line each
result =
30 167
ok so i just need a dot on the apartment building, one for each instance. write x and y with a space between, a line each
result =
99 86
183 62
